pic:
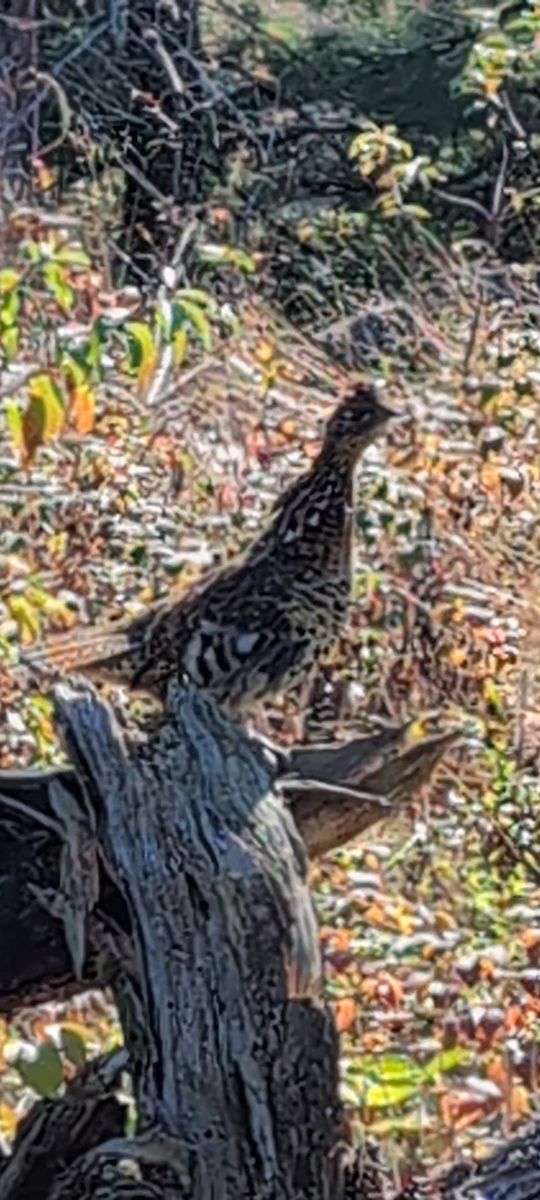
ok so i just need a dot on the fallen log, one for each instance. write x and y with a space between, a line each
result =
335 792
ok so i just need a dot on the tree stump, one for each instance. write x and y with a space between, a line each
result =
232 1054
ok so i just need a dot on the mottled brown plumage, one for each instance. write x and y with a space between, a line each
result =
258 626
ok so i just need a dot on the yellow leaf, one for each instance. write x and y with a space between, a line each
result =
520 1103
8 1119
52 606
493 696
180 342
57 544
26 618
8 280
459 611
416 730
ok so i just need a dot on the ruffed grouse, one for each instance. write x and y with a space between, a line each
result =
258 626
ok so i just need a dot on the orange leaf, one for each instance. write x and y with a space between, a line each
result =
461 1109
520 1103
530 939
375 915
288 428
486 970
82 409
344 1014
513 1019
265 352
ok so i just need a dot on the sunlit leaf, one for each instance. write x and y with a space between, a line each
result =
392 1068
72 257
8 280
73 371
26 617
73 1044
228 255
344 1014
9 1119
390 1095
55 278
198 320
52 606
446 1061
142 352
40 1067
9 309
82 409
32 250
9 339
180 345
44 414
96 342
265 352
14 422
197 296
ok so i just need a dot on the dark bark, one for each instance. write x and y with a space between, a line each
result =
17 50
335 792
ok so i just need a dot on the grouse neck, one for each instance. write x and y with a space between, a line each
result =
342 459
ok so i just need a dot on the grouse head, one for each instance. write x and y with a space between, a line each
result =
355 423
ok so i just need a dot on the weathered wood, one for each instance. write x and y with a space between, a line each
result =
334 791
233 1057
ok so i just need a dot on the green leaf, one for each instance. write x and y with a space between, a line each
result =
73 371
32 250
8 280
72 257
445 1062
73 1046
197 296
200 323
416 210
95 344
392 1068
228 254
390 1095
10 309
40 1067
44 414
44 389
142 351
56 282
9 338
14 422
180 345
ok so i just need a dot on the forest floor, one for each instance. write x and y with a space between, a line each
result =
431 927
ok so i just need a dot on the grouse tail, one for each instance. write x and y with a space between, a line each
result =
103 655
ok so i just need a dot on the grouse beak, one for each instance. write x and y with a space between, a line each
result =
385 414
